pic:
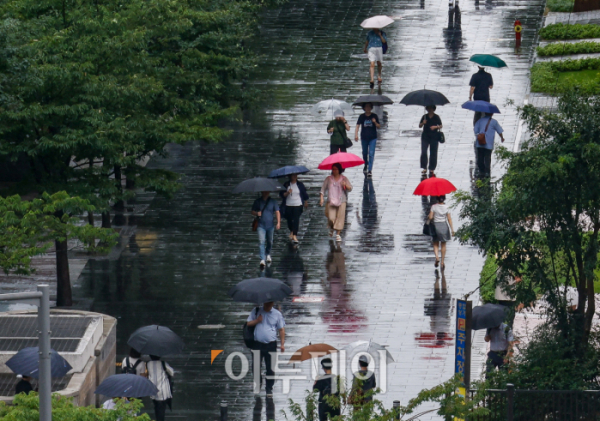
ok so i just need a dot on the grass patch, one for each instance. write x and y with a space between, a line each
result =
584 47
560 5
561 76
580 77
557 31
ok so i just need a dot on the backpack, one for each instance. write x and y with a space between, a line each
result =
248 333
128 368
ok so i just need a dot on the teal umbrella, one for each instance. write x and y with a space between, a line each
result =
488 60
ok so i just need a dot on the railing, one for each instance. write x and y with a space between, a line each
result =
540 405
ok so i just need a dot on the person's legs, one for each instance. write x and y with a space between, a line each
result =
371 146
289 216
342 148
262 236
481 161
269 238
333 149
372 70
433 152
443 252
424 147
488 162
296 223
340 218
436 246
160 409
270 349
365 151
379 67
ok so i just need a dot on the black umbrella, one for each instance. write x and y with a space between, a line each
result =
126 386
155 340
488 316
373 99
27 363
424 97
260 290
258 184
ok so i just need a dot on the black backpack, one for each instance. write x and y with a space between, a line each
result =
128 368
248 332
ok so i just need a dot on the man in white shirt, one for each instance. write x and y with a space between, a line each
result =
501 340
267 322
159 373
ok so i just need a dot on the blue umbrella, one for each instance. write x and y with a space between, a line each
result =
126 386
27 363
287 170
481 106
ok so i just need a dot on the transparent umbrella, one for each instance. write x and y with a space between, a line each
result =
369 347
327 108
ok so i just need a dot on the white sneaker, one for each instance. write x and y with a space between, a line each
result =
269 260
338 238
262 262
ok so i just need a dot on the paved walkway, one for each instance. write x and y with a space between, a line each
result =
381 284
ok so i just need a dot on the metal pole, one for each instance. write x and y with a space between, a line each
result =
510 393
223 411
397 410
45 386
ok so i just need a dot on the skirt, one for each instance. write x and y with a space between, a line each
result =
443 232
336 216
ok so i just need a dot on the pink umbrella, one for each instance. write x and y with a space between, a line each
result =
346 159
434 187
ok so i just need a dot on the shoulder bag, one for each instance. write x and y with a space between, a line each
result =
429 229
442 137
481 136
257 218
248 333
347 142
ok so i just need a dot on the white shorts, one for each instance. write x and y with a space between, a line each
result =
375 54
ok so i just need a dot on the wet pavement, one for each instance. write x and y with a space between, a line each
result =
380 283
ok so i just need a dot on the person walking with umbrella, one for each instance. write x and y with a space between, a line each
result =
374 49
295 200
485 131
363 384
430 139
440 216
337 129
266 210
480 83
328 385
267 321
367 123
336 186
160 374
501 340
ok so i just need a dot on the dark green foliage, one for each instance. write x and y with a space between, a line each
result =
545 77
487 280
566 48
560 5
570 31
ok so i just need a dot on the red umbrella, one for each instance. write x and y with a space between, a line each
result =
346 159
434 187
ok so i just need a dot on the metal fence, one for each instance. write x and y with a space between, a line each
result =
540 405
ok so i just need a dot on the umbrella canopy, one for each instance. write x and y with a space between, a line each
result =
156 340
488 316
126 386
258 184
424 97
481 106
260 290
312 351
373 99
434 187
377 22
287 170
369 347
327 108
347 160
27 363
488 60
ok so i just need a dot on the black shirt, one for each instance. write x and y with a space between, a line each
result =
368 128
431 121
323 385
23 386
364 385
482 82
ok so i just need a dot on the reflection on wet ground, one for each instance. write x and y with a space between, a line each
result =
185 254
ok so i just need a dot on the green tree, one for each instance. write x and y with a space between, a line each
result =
541 220
30 227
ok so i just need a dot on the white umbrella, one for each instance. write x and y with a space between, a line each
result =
328 107
369 347
377 22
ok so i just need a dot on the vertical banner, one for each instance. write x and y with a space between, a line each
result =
462 353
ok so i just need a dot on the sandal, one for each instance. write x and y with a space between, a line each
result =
437 262
371 85
338 238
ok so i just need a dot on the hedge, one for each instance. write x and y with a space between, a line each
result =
544 76
560 5
585 47
570 31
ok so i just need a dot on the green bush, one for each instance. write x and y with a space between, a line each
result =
570 31
487 280
545 77
585 47
560 5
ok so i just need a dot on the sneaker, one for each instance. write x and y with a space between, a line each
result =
269 260
262 263
369 174
365 169
338 238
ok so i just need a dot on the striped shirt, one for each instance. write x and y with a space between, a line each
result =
159 378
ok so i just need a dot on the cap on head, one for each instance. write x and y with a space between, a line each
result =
338 113
363 361
326 363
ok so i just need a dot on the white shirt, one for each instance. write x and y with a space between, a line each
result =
439 212
159 378
294 199
109 404
139 370
500 338
272 321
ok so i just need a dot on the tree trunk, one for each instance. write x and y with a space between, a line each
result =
63 280
106 219
91 218
119 205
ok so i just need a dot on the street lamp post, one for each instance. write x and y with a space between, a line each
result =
41 299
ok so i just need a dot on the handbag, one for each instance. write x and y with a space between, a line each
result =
347 142
248 333
429 229
481 136
256 219
442 138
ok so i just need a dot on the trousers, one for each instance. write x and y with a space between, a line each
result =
266 353
160 410
484 161
336 148
292 214
432 145
368 151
